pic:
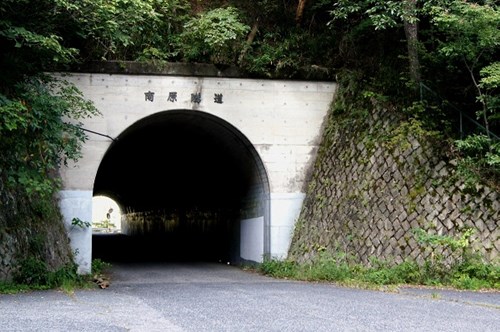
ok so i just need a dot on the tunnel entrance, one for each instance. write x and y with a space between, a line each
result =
190 187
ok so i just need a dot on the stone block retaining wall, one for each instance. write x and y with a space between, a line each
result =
24 236
377 179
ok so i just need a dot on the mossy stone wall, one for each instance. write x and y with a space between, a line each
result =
31 230
376 179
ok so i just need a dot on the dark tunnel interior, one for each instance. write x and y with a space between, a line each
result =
183 178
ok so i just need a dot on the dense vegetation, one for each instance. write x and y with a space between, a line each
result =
435 59
465 271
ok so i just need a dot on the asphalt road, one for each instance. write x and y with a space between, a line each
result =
217 297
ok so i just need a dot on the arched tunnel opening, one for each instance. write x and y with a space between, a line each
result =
190 187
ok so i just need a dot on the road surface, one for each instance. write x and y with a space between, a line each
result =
218 297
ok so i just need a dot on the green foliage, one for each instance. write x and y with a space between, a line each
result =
279 269
457 39
126 29
35 135
469 36
49 45
28 45
80 223
328 268
474 274
33 274
480 160
381 14
471 29
106 223
39 132
32 271
382 273
435 240
34 131
468 271
490 76
215 36
99 266
465 276
286 54
401 136
490 87
12 288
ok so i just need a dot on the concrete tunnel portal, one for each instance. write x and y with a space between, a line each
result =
190 186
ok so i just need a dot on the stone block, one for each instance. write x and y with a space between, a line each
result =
449 224
442 216
399 234
405 225
459 224
480 226
455 213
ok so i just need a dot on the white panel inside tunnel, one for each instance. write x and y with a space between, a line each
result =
184 180
252 241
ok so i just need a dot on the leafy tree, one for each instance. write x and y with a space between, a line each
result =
30 40
490 85
470 35
124 29
480 160
467 42
214 36
35 140
39 129
385 15
34 137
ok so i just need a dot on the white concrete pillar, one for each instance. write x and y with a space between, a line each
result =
78 204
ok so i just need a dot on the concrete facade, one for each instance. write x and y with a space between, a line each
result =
283 120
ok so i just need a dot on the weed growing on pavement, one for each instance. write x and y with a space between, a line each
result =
99 266
435 296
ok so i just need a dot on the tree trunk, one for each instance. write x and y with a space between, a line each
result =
411 32
470 68
300 11
249 41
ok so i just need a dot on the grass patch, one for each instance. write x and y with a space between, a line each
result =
472 275
33 274
463 269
